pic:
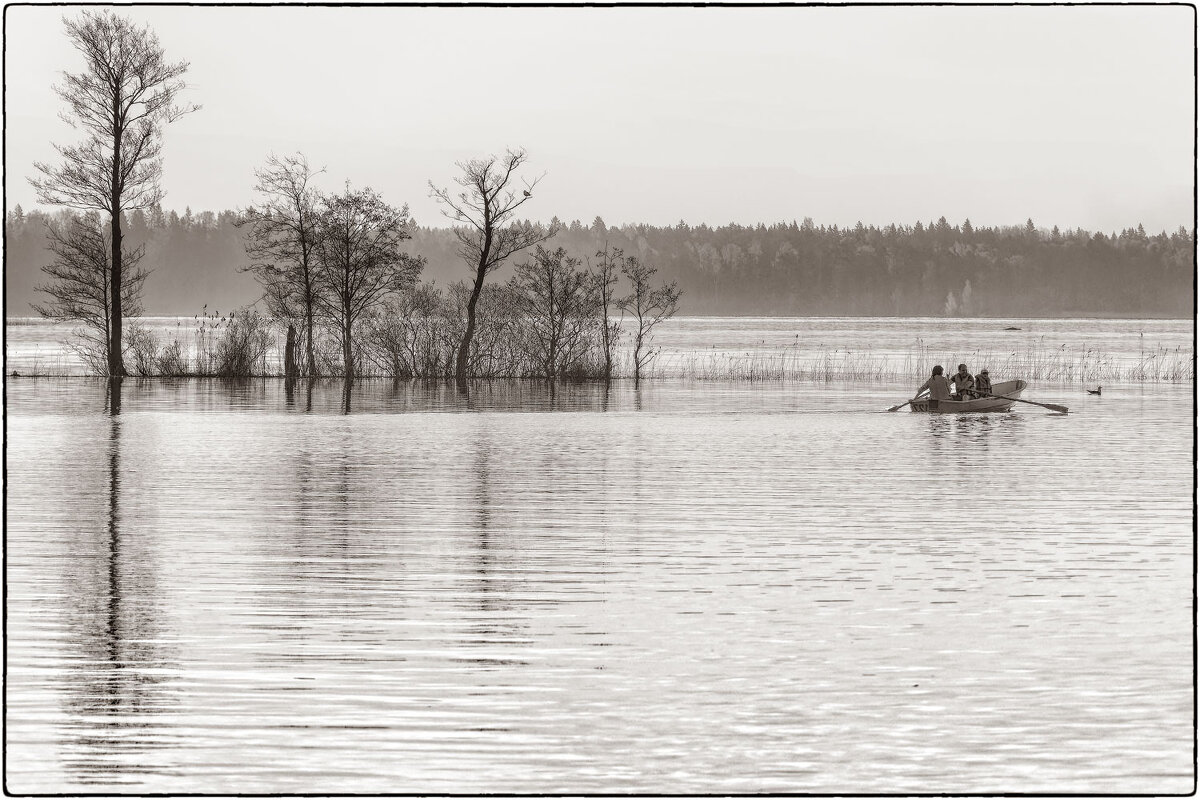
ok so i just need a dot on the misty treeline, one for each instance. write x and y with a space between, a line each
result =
923 269
780 269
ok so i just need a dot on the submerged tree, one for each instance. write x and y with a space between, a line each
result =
555 305
649 306
603 282
412 336
489 235
81 285
121 102
282 241
359 262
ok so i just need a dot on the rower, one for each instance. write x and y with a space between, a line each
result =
938 386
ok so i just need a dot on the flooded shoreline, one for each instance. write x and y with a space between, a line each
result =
851 349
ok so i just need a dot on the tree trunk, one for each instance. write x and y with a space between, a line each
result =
310 359
637 355
116 364
464 347
347 351
114 396
289 354
607 351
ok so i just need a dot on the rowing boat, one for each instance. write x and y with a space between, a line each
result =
1002 391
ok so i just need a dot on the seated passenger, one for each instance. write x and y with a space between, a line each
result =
963 383
983 384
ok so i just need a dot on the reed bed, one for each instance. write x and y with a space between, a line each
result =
39 364
785 364
1037 362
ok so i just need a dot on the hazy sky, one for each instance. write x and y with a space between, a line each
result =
1076 116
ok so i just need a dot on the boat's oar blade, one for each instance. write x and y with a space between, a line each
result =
906 402
1051 406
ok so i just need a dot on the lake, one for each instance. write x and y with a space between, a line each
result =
686 587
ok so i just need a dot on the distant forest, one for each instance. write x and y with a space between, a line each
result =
782 269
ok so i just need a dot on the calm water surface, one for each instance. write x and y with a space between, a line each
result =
692 587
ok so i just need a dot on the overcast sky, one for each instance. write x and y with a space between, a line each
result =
1076 116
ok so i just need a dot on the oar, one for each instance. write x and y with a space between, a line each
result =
906 402
1051 406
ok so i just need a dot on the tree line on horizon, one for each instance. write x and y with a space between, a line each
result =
780 269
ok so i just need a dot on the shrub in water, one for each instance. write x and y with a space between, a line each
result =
172 361
241 348
142 347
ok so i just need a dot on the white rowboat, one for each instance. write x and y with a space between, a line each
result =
1006 389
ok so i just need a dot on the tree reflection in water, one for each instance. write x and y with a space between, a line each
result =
499 623
118 685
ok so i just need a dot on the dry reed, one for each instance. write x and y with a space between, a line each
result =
1037 362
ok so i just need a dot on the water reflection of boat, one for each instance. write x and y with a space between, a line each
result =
1005 389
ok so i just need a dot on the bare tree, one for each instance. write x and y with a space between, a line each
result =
359 260
554 304
486 206
81 284
121 101
283 241
648 306
603 281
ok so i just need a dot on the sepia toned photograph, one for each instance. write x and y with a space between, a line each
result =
693 400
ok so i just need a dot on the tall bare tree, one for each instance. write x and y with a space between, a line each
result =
121 101
81 283
649 305
486 206
360 264
283 241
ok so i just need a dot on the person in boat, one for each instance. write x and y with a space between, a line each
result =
983 384
937 385
964 382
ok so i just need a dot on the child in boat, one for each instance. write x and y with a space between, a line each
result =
963 383
983 383
938 386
